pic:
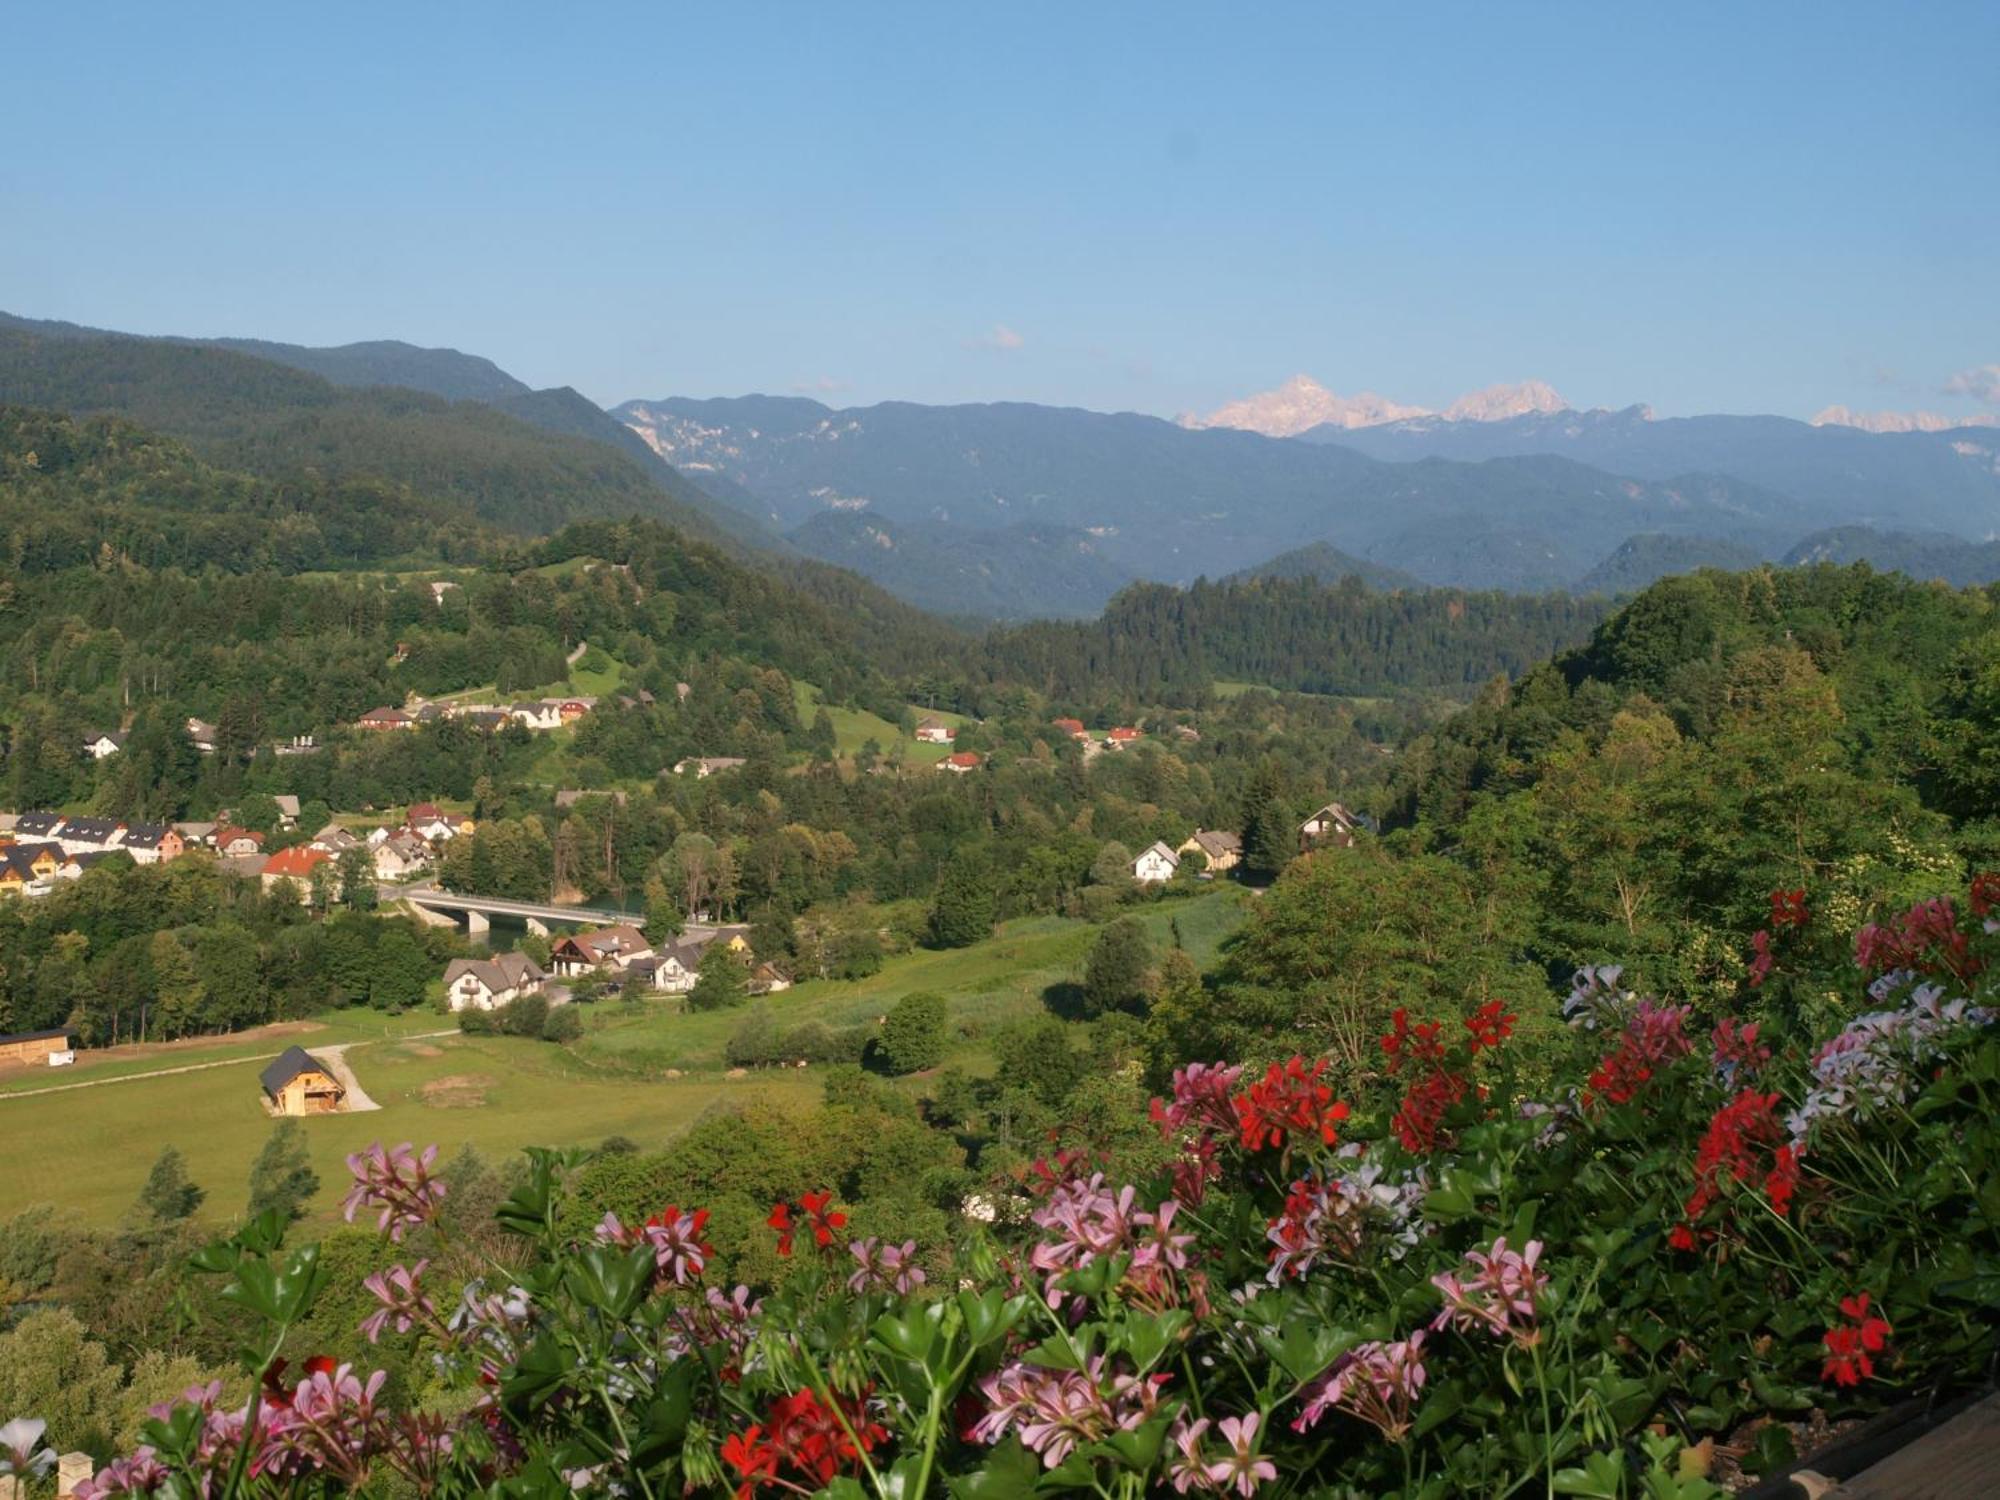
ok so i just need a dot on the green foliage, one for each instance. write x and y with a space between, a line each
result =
964 908
169 1196
1118 975
282 1177
720 982
913 1035
564 1025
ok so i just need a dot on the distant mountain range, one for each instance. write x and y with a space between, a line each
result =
1012 511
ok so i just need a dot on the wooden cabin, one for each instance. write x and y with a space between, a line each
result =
31 1048
300 1084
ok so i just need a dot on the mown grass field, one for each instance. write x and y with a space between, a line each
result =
89 1149
985 985
853 727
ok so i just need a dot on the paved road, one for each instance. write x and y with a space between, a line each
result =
497 906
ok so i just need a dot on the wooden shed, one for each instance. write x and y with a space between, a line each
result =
30 1047
300 1084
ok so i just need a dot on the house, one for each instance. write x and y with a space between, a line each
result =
439 589
298 1083
673 970
544 715
569 710
961 761
431 713
201 734
1071 727
1332 824
152 843
936 732
26 1048
27 869
83 835
600 948
489 720
194 835
297 864
103 743
732 935
288 810
488 983
399 856
386 718
1224 851
304 744
37 825
1122 736
237 843
1156 864
335 840
768 979
705 766
440 828
1188 733
570 796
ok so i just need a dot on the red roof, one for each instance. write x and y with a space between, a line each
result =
1123 734
224 837
385 716
965 758
296 863
1068 726
423 812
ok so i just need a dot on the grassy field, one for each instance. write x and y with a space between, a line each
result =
1227 690
89 1149
853 728
986 985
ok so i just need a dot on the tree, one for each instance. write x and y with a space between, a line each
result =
355 870
168 1196
564 1024
962 912
1118 975
913 1034
1112 866
720 982
1269 839
282 1177
258 812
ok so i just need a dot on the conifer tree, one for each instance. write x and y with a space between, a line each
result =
282 1177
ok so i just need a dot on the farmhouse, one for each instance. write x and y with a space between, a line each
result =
201 734
238 843
98 745
1071 727
298 865
936 732
672 970
298 1083
705 766
1119 738
335 840
399 855
600 948
488 983
1156 864
961 761
27 1048
768 979
1332 824
1224 851
386 718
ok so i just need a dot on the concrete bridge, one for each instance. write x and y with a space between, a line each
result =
479 911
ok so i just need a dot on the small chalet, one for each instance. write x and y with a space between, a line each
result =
673 970
600 948
1332 824
1156 864
297 864
705 766
27 868
298 1083
29 1048
288 810
98 746
201 734
768 979
1119 738
488 983
1071 727
238 843
936 732
1224 851
961 761
546 714
386 718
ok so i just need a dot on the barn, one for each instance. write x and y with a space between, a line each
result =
31 1047
298 1083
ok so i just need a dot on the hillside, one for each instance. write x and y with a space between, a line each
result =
1164 502
1921 556
1323 562
1642 559
960 571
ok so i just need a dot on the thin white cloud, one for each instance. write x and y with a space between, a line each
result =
1000 337
1981 383
819 385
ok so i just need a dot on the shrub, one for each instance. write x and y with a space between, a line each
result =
913 1035
564 1024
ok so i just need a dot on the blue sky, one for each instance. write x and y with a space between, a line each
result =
1153 207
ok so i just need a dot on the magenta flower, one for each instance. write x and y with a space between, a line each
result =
1189 1470
333 1425
885 1267
1089 1221
1500 1294
140 1474
1376 1382
398 1184
1056 1411
403 1301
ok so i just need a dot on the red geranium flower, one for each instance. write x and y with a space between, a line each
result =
1489 1027
1788 908
781 1220
1850 1345
1288 1101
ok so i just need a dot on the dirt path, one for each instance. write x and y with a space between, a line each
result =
335 1057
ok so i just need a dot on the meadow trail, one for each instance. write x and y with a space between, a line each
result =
334 1056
